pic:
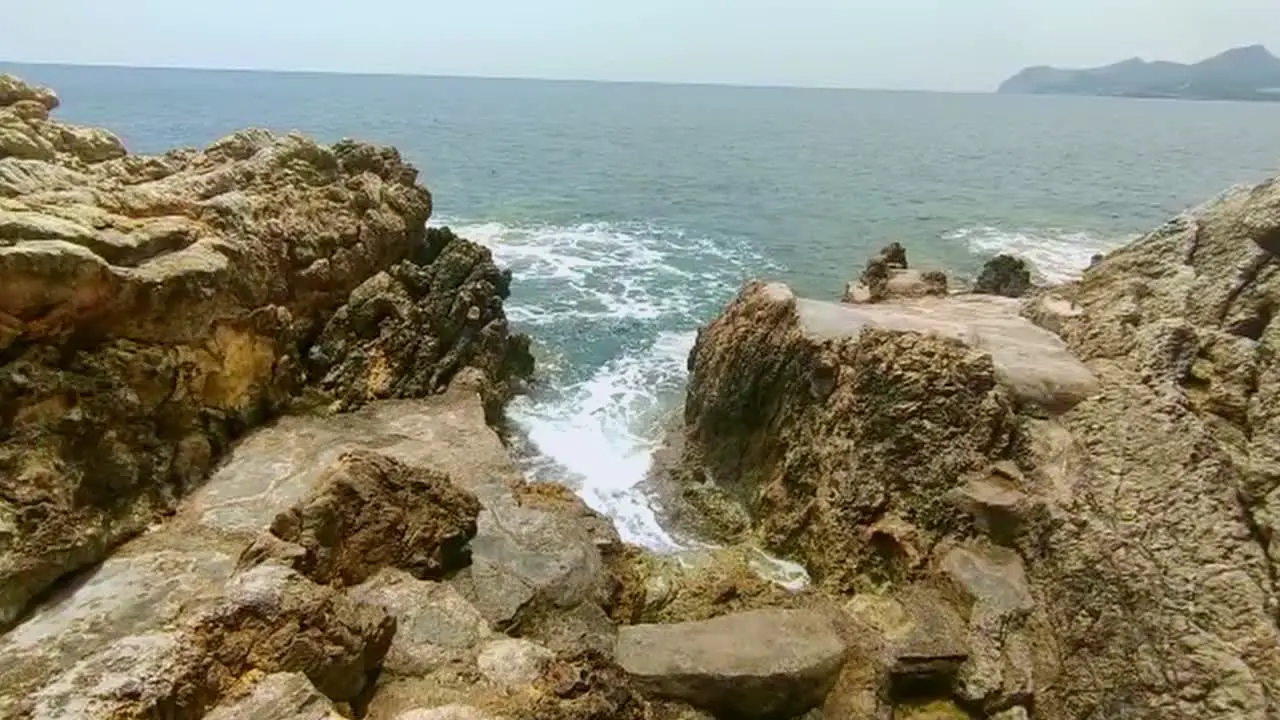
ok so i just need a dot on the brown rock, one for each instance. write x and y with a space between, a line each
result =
406 332
370 512
154 308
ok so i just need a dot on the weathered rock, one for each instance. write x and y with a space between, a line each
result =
405 332
154 308
175 576
270 620
368 512
844 427
887 276
282 696
1004 275
1105 508
1161 588
758 664
884 284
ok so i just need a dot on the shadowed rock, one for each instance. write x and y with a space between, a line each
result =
1004 275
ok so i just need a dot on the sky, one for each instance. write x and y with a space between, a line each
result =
902 44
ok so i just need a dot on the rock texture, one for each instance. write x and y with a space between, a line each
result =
1004 275
770 664
1087 479
154 308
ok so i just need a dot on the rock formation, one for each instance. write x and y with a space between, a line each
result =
1086 481
154 308
1004 275
888 276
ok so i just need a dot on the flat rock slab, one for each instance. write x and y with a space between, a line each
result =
760 664
1031 362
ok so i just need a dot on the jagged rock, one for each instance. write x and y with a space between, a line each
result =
876 412
1103 508
368 512
154 308
1004 275
282 696
1161 589
405 332
757 664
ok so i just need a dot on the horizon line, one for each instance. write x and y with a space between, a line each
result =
405 74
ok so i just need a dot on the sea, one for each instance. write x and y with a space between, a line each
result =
631 213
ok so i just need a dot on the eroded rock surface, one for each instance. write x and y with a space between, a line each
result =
1095 498
154 308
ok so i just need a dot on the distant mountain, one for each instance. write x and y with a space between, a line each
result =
1245 73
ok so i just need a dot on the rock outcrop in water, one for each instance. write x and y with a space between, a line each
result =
154 308
1086 480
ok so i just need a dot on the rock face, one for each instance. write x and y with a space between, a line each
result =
154 308
1087 478
770 664
1004 275
406 331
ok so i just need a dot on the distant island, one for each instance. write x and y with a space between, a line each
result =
1245 73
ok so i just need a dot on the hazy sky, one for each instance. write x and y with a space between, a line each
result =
928 44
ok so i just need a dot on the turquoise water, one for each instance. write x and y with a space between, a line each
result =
630 213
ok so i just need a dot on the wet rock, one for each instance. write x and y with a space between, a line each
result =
758 664
1004 275
368 512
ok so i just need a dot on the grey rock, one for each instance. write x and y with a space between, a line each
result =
757 664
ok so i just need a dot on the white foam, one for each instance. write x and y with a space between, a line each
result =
1057 255
599 434
579 286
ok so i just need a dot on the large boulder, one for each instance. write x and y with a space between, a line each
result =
1095 496
768 664
154 308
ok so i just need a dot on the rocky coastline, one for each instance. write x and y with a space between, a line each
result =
251 467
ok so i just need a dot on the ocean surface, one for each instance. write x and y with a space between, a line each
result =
631 213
